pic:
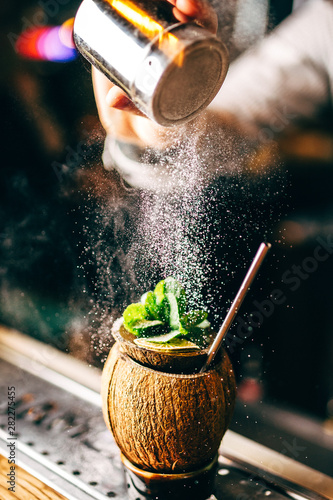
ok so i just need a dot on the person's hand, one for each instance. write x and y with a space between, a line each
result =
121 119
118 114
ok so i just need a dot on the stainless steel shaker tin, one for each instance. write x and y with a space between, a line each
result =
170 70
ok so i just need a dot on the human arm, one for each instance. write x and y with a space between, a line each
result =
286 77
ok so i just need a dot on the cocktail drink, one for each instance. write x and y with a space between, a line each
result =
167 418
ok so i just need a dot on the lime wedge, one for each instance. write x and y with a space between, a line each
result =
175 344
165 337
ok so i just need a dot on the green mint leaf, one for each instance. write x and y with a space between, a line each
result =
159 292
144 298
204 324
170 285
149 301
193 318
162 304
198 336
173 286
182 330
163 310
174 322
133 314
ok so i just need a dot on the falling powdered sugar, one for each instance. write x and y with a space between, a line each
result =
202 228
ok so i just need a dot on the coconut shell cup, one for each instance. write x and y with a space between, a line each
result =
162 359
166 422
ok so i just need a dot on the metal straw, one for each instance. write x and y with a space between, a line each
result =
245 286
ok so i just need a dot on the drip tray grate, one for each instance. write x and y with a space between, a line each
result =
62 435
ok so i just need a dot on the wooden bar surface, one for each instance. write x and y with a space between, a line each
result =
27 487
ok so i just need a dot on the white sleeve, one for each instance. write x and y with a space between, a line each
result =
287 76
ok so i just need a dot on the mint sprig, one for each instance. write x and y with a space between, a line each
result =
162 315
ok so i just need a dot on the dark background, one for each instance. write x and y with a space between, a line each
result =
53 192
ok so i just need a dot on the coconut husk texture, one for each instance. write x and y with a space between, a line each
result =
165 422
